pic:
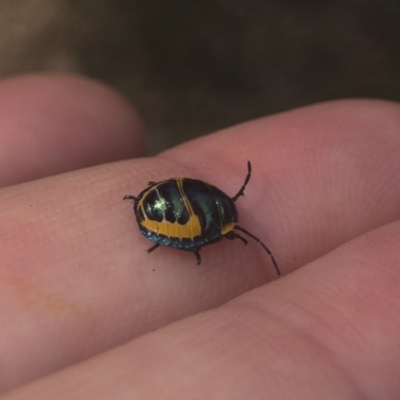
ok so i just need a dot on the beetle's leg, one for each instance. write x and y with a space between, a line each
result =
233 235
129 197
197 254
246 181
195 251
153 247
151 183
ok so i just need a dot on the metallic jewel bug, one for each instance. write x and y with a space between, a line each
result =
188 214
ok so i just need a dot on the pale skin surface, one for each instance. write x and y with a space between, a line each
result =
77 284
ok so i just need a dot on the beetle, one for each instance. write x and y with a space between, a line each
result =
187 214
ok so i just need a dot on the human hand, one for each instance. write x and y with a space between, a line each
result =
77 283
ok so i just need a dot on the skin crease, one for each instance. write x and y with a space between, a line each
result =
77 284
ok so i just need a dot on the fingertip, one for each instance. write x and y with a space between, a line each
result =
53 123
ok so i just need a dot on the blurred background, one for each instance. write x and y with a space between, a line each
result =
192 67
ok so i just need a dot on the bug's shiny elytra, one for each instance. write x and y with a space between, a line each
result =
188 214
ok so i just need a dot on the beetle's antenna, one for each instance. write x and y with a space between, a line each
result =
129 197
246 181
263 245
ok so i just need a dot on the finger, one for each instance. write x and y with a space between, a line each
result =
56 123
330 330
74 260
321 175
